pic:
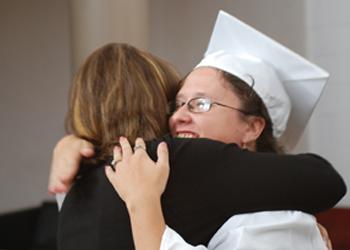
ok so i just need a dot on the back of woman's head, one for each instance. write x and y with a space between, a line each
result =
120 90
253 104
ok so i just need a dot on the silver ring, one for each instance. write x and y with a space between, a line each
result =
136 147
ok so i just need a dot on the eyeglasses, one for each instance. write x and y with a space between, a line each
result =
202 105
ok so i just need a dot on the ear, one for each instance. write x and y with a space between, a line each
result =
255 127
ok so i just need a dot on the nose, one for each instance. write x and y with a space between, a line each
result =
180 116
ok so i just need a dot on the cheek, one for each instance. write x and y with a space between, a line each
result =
212 126
232 129
171 124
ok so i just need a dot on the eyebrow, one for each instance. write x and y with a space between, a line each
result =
196 94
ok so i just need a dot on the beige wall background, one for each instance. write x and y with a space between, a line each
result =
35 71
42 40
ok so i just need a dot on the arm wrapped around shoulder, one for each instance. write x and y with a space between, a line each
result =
227 179
329 186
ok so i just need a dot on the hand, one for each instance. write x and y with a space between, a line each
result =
325 236
138 179
65 162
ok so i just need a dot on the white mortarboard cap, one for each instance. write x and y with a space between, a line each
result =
288 84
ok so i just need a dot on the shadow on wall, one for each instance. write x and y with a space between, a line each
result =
32 228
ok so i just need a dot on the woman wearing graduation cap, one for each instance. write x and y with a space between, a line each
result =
248 90
196 105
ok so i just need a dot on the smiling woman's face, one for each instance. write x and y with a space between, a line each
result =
219 123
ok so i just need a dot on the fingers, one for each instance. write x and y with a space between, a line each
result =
140 146
117 156
109 173
163 154
86 149
126 148
87 152
329 245
58 183
65 164
125 151
325 236
57 187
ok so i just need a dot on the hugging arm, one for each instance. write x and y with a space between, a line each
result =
66 158
205 189
186 213
220 173
304 182
211 181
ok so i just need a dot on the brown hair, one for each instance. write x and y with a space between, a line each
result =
120 91
253 104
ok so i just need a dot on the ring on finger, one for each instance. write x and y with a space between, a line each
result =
136 147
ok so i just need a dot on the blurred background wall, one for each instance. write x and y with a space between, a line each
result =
43 41
35 72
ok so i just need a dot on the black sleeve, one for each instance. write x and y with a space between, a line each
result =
248 181
210 181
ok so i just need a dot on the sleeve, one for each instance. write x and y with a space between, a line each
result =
269 230
221 175
211 181
171 240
